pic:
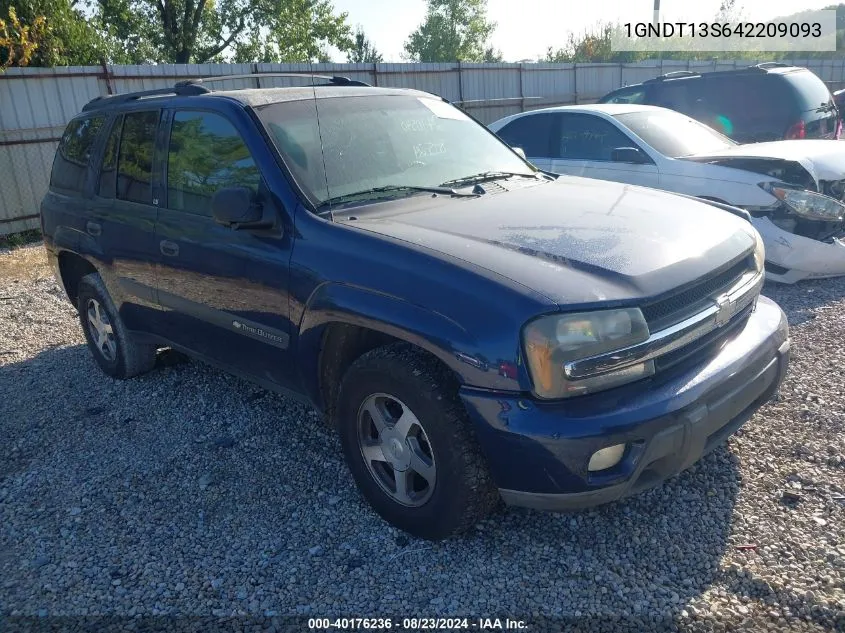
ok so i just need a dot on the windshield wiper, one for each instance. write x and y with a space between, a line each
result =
348 197
485 176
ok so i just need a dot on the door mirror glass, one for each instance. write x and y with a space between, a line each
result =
520 152
236 207
628 155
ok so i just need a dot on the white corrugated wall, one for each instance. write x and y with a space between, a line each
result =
36 103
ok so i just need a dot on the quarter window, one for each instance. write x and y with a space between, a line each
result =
71 163
135 157
206 154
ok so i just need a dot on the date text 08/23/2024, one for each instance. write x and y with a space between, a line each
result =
417 624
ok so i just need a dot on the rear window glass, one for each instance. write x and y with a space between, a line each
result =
71 162
135 157
810 90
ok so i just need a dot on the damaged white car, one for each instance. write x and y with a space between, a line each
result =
793 190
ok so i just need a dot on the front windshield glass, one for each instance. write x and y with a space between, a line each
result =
673 134
382 141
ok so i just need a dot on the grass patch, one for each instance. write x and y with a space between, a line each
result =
16 240
25 263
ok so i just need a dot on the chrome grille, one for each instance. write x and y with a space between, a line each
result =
712 325
677 307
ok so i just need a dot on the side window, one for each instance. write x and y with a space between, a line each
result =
586 137
678 94
108 170
631 95
206 154
71 162
533 133
135 157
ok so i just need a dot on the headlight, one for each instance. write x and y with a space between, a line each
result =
807 204
554 340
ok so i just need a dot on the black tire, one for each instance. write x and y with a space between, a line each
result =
128 358
463 492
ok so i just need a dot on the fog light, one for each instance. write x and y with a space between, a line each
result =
606 458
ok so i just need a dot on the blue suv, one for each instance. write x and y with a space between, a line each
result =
474 329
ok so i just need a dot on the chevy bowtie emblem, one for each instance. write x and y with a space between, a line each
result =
725 311
237 324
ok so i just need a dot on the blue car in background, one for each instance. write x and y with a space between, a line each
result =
474 329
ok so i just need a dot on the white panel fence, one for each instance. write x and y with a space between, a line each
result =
36 103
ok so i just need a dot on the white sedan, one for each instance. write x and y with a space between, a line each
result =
792 189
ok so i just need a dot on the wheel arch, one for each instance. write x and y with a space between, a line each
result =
341 323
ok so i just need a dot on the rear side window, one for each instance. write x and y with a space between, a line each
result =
206 154
680 95
71 162
135 157
533 133
811 91
635 94
736 103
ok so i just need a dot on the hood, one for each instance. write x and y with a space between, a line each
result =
575 240
820 159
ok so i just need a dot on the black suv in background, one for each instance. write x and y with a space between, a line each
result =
767 102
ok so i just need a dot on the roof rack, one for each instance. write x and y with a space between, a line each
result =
767 65
178 90
675 74
332 80
197 87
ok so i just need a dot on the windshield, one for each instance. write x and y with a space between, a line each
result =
673 134
382 141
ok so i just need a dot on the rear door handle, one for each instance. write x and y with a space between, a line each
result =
93 228
171 249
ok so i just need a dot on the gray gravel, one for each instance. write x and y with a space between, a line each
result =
186 491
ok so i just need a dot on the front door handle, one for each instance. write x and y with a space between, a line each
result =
93 228
171 249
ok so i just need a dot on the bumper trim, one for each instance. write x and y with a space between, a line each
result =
696 431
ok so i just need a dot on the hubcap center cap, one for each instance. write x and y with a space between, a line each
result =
396 452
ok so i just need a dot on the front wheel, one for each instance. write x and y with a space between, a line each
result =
409 445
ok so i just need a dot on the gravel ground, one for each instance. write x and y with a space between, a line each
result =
188 492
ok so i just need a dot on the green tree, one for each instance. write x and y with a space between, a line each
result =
363 51
592 46
19 41
198 31
453 30
66 38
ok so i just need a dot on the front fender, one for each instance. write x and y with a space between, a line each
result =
434 332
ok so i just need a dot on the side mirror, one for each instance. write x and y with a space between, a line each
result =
520 151
236 207
629 155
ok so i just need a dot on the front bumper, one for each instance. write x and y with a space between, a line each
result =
538 452
798 257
